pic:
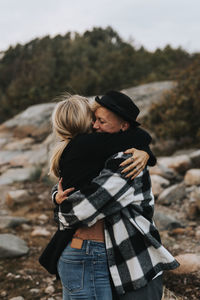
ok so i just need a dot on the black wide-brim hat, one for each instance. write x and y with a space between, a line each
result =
121 105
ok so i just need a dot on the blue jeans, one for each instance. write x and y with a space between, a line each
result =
84 272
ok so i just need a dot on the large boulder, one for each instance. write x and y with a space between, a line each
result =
165 221
172 194
162 171
179 163
12 246
36 157
7 156
17 197
17 175
11 221
19 144
147 94
33 122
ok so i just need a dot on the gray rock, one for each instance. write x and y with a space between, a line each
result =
7 156
165 222
12 246
16 175
33 122
162 171
158 184
35 157
146 94
17 197
19 144
11 222
180 163
172 194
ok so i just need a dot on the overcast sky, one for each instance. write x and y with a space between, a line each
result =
151 23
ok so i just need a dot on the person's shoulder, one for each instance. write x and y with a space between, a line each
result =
140 133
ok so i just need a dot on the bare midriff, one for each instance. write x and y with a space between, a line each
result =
94 233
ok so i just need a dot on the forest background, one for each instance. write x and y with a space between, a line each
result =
96 61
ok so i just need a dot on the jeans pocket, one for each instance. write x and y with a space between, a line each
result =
71 273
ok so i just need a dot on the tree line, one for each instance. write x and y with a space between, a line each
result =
88 64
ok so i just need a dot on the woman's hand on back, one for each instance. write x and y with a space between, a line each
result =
62 195
136 163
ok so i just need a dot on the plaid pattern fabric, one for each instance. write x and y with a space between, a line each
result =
134 250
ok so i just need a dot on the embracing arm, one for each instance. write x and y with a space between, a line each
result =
107 194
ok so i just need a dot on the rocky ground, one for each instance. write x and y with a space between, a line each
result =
24 277
26 211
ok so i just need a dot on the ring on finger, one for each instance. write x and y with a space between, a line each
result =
136 168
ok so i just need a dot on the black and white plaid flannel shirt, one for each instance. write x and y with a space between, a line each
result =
134 250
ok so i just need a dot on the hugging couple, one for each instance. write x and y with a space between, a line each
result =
107 245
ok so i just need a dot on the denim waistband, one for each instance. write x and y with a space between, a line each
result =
91 243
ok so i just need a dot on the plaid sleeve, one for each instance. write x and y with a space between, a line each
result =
53 193
107 194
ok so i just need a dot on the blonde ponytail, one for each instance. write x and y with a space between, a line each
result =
71 116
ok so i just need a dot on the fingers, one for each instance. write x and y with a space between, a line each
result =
130 151
127 162
62 195
131 166
68 191
133 172
136 174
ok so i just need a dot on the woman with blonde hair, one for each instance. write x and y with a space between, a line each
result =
87 162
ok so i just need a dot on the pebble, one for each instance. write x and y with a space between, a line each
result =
26 227
43 217
3 294
50 289
176 247
34 291
17 298
40 232
12 246
189 263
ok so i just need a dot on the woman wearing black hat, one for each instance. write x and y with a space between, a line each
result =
83 264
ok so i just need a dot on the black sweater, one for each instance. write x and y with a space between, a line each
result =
85 155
